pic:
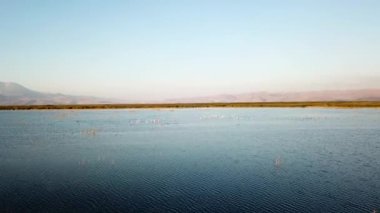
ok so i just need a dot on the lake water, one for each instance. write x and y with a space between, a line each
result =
190 160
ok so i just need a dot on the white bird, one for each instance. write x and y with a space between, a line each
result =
277 162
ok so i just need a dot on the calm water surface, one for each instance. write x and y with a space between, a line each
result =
190 160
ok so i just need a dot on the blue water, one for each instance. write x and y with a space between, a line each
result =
190 160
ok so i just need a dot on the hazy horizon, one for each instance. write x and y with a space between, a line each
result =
155 50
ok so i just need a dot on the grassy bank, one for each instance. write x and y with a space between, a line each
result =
336 104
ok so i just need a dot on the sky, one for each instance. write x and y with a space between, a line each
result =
162 49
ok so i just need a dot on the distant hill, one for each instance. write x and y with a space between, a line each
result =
327 95
16 94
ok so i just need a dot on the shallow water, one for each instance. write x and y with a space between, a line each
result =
190 160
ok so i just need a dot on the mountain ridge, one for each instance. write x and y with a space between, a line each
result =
15 94
323 95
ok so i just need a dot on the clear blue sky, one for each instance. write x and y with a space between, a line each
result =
157 49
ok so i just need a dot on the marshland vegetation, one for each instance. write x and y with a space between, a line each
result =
333 104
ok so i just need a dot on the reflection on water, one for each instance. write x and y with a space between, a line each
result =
190 160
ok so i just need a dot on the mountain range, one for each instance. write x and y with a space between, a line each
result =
325 95
16 94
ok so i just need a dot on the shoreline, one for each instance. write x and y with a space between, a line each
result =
317 104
